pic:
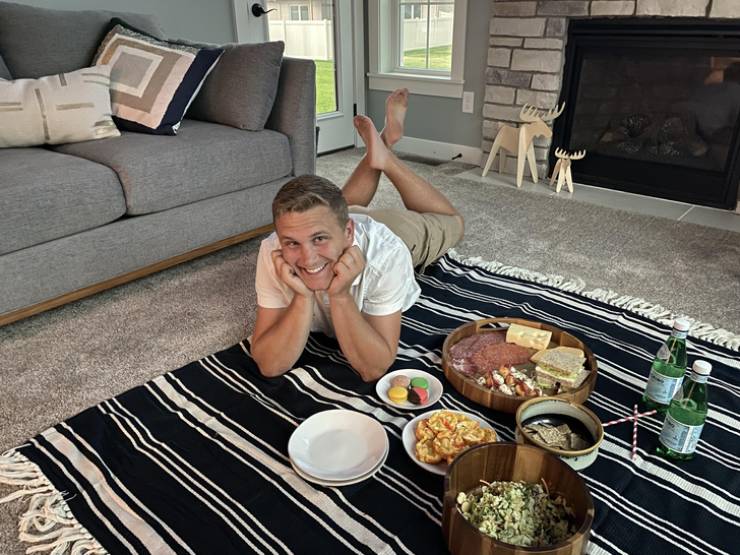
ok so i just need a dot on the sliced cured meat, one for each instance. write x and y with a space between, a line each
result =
493 338
465 347
464 366
473 343
499 354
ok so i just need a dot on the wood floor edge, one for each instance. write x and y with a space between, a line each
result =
25 312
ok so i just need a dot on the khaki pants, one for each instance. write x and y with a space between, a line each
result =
428 236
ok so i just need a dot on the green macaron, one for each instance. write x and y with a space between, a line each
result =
420 382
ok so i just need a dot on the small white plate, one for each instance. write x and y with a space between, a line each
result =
409 439
339 483
384 384
338 445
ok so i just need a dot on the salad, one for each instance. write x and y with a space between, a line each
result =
517 513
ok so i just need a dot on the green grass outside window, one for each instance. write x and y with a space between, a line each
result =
326 95
440 57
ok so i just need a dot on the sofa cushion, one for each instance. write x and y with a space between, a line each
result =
62 108
4 71
203 160
37 41
30 276
241 89
45 195
152 81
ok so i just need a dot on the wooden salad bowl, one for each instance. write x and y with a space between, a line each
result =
512 462
500 401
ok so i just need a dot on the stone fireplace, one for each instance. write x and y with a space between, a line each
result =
526 62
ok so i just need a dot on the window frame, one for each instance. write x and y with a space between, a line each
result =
298 7
386 74
412 6
398 39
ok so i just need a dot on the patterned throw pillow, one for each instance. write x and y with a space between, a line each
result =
152 81
62 108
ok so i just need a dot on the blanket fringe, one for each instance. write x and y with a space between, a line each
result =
656 312
48 523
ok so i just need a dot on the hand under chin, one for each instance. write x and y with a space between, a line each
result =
318 284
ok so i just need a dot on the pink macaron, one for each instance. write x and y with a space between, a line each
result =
418 395
400 381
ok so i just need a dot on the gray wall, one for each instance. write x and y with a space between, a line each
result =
441 119
197 20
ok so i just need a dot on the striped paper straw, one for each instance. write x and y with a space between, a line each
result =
629 418
634 432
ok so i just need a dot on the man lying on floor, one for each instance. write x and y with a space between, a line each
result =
335 266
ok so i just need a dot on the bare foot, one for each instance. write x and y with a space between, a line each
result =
377 153
395 113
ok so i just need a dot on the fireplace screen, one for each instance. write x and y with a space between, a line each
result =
650 109
669 109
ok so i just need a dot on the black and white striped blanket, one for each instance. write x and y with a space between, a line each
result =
195 461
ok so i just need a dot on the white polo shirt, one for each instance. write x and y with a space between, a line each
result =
386 285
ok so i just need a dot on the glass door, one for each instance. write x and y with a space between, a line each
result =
321 31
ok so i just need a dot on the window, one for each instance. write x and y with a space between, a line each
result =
419 44
327 11
299 13
411 11
425 41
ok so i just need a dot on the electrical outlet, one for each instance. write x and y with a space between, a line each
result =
468 102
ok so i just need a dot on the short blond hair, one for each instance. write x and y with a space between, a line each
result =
308 191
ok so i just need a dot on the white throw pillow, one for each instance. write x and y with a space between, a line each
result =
63 108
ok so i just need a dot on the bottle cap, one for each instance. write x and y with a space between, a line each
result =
681 324
701 367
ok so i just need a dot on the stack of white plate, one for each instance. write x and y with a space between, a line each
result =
338 448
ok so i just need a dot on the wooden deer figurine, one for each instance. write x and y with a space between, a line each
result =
562 168
519 140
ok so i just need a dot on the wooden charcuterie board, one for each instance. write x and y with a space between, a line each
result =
496 400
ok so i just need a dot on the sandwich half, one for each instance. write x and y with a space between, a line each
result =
563 365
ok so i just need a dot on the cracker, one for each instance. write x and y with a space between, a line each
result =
550 435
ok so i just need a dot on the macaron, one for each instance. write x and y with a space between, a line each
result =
398 394
400 381
418 395
420 382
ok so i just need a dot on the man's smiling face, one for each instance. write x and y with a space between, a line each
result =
312 242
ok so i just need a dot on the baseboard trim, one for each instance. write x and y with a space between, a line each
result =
21 313
439 150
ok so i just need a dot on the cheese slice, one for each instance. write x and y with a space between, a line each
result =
528 337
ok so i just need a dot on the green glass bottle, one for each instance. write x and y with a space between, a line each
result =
668 369
686 415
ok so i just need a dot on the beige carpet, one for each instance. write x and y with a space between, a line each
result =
59 363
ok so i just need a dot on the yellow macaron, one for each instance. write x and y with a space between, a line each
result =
398 394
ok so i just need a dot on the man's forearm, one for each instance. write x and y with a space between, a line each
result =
364 348
278 348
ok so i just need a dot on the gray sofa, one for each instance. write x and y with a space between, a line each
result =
79 218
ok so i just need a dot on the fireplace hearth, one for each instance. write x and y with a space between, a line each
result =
656 103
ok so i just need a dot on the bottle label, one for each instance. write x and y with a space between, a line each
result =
679 437
678 334
661 389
